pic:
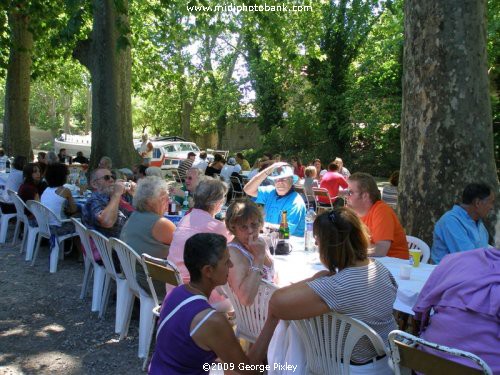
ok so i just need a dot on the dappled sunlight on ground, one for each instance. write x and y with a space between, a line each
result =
51 328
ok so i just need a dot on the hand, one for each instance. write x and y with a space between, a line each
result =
119 188
132 188
257 247
274 166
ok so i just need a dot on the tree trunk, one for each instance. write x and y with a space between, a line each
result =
16 133
88 111
108 58
447 139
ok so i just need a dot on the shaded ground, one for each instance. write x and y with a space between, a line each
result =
46 329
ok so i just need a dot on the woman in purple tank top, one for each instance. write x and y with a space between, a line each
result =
191 334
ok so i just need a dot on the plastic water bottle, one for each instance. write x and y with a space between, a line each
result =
3 163
82 181
185 204
309 238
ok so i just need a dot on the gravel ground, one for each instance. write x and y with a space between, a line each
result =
46 329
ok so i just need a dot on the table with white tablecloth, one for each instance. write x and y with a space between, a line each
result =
286 345
300 265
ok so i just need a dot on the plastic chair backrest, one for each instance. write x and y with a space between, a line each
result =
84 238
42 214
407 356
20 205
159 270
250 319
105 251
321 192
417 243
128 260
237 186
330 339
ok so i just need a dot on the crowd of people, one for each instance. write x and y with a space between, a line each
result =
463 291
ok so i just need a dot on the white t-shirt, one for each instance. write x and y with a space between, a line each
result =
228 170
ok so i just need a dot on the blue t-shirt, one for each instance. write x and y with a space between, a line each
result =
274 204
456 231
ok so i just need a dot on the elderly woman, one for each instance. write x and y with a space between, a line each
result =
463 293
59 199
354 285
146 230
249 254
209 197
191 334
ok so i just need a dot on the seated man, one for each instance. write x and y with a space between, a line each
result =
386 233
80 158
280 197
106 211
332 181
462 227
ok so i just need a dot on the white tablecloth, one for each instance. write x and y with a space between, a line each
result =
299 265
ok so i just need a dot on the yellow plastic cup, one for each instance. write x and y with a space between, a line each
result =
415 255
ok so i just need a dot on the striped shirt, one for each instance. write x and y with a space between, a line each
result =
366 293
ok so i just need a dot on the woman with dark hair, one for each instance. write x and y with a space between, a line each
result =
13 183
390 192
298 168
216 166
250 256
32 187
191 334
58 198
353 285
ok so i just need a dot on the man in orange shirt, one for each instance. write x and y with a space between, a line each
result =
387 235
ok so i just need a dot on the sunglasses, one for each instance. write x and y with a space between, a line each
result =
106 177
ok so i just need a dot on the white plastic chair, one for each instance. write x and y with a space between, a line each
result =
163 271
407 356
417 243
91 267
29 232
330 339
4 224
250 319
128 260
122 290
43 215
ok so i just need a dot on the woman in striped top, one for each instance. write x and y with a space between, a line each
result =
354 284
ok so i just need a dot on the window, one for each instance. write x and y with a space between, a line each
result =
156 153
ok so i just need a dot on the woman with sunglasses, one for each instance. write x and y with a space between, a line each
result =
353 285
249 254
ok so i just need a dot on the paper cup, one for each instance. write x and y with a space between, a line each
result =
405 272
415 256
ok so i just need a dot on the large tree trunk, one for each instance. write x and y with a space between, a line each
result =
447 139
16 133
108 58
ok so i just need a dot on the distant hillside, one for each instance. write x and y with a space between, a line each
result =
38 136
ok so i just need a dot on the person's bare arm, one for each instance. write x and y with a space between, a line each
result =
252 186
379 249
217 335
72 208
163 231
242 280
107 217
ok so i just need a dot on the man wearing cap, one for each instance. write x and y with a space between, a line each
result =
280 197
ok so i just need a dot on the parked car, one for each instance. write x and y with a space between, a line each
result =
169 151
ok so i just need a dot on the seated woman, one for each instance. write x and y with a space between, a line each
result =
13 183
191 334
58 198
298 168
390 192
463 292
209 197
354 285
310 182
249 254
146 230
216 166
32 187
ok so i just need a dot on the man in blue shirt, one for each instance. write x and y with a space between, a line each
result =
462 228
280 197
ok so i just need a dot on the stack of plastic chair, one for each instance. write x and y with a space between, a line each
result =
123 292
91 267
43 215
29 233
4 224
128 260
